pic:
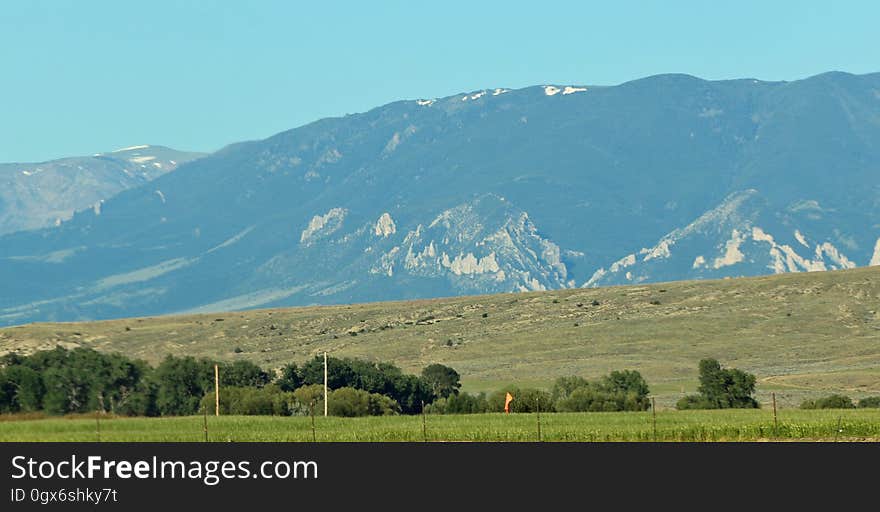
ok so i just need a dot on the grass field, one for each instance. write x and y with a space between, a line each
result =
719 425
803 335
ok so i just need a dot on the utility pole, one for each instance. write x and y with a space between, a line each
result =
325 384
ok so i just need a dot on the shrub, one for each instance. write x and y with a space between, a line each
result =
693 402
524 400
250 401
834 401
871 401
350 402
308 395
462 403
618 391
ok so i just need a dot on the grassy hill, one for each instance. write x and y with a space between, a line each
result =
803 335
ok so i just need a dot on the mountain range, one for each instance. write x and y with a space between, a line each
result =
554 186
38 195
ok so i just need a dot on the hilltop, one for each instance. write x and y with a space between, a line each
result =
802 334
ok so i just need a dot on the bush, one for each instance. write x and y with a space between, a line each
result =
693 402
829 402
462 403
307 397
524 400
871 401
250 401
350 402
618 391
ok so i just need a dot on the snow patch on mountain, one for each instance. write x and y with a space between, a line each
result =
322 226
551 90
425 103
474 96
571 90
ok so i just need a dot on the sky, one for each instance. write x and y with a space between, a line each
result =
87 76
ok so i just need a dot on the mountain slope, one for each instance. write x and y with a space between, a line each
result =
486 191
37 195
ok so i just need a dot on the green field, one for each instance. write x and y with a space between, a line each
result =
803 335
718 425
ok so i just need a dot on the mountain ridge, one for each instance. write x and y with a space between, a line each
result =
599 172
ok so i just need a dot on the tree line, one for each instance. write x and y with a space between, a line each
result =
62 381
618 391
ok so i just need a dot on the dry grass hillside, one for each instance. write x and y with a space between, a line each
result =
802 334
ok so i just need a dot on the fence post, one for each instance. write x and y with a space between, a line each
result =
538 409
312 414
424 423
654 416
775 421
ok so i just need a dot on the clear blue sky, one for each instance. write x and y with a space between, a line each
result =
80 77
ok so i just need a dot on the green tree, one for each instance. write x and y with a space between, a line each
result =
290 378
443 380
339 373
21 389
181 382
627 389
724 388
871 401
564 386
243 374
